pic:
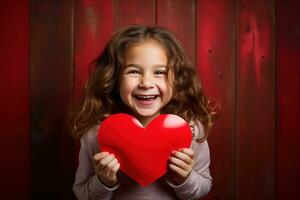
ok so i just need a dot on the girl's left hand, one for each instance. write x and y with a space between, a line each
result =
180 165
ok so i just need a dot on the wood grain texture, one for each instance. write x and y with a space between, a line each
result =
288 99
215 63
14 100
232 44
129 12
255 101
51 89
94 23
179 17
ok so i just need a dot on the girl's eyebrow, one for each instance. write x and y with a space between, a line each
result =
130 65
161 66
137 66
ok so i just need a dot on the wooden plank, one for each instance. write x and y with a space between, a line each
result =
51 90
93 27
179 17
14 98
288 99
255 101
215 63
129 12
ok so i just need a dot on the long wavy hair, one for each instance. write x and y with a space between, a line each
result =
102 94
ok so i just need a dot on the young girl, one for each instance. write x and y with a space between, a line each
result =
143 71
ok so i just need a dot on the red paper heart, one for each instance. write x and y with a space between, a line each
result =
143 153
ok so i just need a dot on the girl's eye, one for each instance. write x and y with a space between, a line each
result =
133 72
160 72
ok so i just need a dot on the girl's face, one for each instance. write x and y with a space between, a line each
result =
143 81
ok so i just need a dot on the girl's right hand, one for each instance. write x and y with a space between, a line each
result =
106 166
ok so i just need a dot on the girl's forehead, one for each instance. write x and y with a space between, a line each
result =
145 44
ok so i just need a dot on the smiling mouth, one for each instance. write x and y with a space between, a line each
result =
145 97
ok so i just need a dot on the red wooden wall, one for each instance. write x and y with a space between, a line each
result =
14 101
51 89
247 53
287 99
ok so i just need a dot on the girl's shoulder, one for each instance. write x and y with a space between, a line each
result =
197 130
89 143
199 144
91 135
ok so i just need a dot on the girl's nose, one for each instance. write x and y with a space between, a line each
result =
146 82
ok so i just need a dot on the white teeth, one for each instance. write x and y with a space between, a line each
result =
145 97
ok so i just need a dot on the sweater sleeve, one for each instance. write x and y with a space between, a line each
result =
198 183
87 186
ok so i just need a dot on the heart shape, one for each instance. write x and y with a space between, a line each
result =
143 153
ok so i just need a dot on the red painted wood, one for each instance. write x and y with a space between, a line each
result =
179 17
130 12
207 24
14 106
93 27
51 90
288 99
255 101
215 64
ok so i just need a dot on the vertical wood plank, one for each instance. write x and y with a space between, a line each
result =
94 23
51 90
215 63
14 98
131 12
255 120
179 17
288 99
93 27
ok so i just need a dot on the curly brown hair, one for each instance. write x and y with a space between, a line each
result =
102 96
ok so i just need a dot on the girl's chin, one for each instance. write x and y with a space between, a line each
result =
146 111
146 114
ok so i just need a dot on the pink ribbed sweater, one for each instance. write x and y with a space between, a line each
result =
88 186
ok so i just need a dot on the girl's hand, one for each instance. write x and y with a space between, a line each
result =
106 166
180 165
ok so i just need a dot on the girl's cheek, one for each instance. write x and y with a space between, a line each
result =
162 84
